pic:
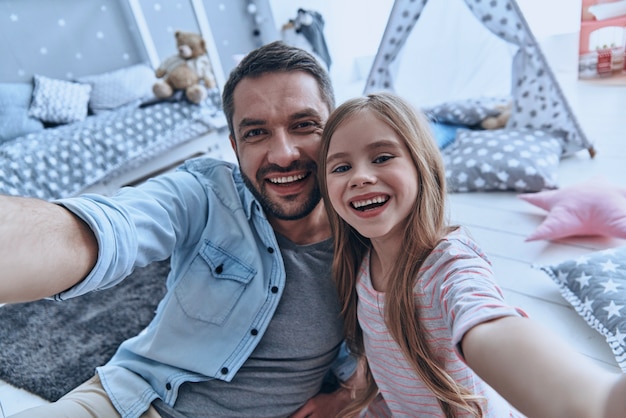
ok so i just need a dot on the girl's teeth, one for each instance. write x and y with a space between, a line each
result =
367 202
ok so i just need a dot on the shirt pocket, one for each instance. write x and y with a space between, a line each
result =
213 284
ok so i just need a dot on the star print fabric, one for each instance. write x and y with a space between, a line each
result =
595 285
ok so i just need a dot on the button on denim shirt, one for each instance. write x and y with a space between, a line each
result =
226 280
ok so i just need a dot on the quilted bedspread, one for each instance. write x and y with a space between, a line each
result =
61 161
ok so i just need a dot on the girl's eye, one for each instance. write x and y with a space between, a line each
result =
382 158
340 169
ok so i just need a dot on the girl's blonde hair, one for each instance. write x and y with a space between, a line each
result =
425 228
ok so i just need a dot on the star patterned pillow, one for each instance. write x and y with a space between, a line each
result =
595 285
501 160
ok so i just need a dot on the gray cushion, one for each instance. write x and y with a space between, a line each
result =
59 101
468 112
502 159
595 285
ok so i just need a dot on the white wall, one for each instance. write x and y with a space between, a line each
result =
353 29
552 17
556 25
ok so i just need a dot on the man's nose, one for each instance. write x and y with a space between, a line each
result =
283 149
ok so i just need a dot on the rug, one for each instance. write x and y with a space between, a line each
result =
49 348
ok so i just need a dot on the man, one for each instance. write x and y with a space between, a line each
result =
250 324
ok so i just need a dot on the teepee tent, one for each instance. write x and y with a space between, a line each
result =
445 50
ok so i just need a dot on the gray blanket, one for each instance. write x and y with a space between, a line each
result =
61 161
48 347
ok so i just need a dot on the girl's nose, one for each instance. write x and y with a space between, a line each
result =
361 177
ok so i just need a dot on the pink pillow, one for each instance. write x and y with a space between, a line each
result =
595 207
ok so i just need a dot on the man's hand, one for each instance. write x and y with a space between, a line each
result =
324 405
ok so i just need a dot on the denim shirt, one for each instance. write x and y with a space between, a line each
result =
226 280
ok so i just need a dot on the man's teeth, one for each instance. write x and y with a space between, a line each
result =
288 179
376 200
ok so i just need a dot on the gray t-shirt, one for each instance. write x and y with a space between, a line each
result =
288 366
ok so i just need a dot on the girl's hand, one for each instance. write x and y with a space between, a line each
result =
324 405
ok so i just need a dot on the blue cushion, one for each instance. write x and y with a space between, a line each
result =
444 133
14 102
15 95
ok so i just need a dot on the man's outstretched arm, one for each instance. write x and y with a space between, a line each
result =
44 249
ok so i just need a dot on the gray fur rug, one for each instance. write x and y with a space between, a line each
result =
49 348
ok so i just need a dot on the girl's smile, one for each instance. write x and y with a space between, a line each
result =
370 203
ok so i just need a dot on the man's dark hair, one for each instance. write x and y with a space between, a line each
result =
273 58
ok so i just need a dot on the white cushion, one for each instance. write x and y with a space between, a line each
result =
120 87
59 101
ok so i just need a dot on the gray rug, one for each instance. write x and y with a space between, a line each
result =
49 348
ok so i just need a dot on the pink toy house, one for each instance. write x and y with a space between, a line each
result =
602 40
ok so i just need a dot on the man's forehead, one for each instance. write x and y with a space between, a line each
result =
282 93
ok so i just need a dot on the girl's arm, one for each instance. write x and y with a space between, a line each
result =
539 374
44 249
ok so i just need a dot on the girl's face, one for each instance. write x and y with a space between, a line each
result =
371 178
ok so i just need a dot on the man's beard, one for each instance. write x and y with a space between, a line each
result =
275 209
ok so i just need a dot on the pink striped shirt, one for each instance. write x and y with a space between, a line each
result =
455 290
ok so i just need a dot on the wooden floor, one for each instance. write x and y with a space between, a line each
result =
501 222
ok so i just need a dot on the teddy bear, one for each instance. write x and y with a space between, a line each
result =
185 71
499 120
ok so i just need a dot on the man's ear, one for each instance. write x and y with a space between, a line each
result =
233 143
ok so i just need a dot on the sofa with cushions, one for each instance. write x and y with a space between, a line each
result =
59 138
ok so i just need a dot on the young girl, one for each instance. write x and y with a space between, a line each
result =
420 302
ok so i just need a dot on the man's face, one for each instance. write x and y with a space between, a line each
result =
278 123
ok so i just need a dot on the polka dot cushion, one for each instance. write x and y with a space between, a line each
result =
59 101
501 160
468 112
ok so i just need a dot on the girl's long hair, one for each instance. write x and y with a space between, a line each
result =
426 226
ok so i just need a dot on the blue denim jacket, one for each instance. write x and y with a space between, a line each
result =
226 280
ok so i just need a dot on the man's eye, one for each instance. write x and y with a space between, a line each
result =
382 158
306 126
252 133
